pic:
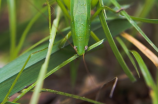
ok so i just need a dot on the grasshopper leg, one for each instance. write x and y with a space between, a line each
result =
63 41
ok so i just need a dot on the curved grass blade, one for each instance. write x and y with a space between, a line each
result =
128 54
134 24
72 96
142 48
44 67
112 43
147 76
27 30
145 20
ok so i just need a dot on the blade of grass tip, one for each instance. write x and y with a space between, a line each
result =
57 68
147 76
128 54
28 27
72 96
112 43
12 26
134 24
43 70
142 48
146 20
16 79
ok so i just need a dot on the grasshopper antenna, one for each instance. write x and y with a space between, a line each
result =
88 70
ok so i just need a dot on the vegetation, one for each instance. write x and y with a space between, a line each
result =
37 42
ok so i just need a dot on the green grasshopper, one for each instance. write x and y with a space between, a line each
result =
80 11
80 24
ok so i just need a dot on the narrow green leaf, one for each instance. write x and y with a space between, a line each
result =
128 54
134 24
22 40
146 20
43 70
112 43
16 79
12 26
147 76
71 95
149 80
11 103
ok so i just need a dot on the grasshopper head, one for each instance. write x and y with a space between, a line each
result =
80 50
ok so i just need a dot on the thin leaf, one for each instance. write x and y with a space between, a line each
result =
134 24
146 20
12 26
16 79
147 76
44 67
128 54
112 43
72 96
11 103
22 40
142 48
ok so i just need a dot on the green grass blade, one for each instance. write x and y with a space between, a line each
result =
72 96
27 30
134 24
16 79
128 54
63 9
12 25
36 44
147 76
43 70
113 45
49 14
11 103
146 20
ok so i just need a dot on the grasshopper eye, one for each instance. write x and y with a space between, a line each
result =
86 47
